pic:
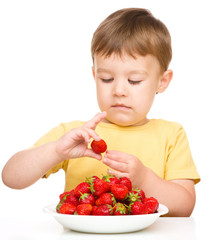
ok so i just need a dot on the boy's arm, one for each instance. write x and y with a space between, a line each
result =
177 195
27 166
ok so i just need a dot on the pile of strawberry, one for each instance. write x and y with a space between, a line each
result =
107 196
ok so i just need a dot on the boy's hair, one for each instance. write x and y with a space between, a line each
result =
134 31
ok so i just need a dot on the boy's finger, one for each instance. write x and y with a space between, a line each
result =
118 166
92 154
118 156
93 134
95 120
117 173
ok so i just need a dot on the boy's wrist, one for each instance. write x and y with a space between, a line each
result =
56 150
144 179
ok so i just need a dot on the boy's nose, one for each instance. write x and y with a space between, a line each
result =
119 88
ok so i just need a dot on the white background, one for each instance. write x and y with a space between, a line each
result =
46 79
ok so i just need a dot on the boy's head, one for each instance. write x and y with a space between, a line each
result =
131 52
134 31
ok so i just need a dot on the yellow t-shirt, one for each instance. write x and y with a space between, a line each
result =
160 145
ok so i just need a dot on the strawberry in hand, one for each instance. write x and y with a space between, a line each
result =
99 146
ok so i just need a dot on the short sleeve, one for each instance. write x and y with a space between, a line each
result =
179 163
52 135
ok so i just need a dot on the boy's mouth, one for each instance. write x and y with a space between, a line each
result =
121 106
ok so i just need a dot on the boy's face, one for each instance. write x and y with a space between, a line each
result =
126 87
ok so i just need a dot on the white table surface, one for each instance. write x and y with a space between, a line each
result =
44 226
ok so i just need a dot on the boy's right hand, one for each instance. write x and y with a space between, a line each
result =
74 143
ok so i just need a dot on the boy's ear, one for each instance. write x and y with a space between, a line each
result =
165 81
93 71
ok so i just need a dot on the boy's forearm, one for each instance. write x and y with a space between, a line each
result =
27 166
178 198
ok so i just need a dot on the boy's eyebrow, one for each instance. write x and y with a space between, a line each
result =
138 72
99 70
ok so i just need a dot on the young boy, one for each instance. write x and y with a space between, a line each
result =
131 52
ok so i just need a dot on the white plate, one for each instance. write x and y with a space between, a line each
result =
106 224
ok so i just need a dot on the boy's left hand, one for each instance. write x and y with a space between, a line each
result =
125 165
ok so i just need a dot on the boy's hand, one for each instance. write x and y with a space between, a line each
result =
125 165
74 143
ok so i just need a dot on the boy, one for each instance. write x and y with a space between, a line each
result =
131 52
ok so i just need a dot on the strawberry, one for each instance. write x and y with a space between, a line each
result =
120 209
135 195
119 191
94 210
103 210
87 198
140 192
62 195
111 179
91 179
151 204
99 187
99 146
138 208
83 209
106 198
126 182
81 188
70 198
66 208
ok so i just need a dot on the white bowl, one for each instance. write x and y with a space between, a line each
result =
106 224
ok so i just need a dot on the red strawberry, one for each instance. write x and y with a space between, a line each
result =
66 208
81 188
62 195
151 204
119 191
87 198
140 192
137 208
135 195
120 209
91 179
103 210
111 179
99 146
83 209
99 187
70 198
126 182
94 209
106 198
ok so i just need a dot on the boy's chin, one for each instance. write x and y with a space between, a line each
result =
125 122
119 122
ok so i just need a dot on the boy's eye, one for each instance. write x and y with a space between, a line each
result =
134 82
107 80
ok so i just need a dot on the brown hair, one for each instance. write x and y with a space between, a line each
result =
135 31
